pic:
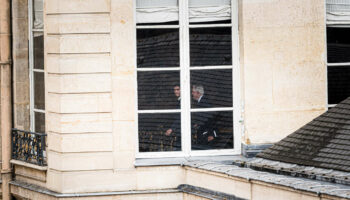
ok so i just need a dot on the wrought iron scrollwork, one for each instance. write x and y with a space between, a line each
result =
29 147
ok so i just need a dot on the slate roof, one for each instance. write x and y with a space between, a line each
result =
323 143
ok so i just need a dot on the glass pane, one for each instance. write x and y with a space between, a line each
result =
39 90
210 46
39 122
158 48
338 84
209 11
157 90
38 7
159 132
212 130
338 45
155 12
39 52
211 88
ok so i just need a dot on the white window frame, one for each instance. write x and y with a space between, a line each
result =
334 64
184 70
32 70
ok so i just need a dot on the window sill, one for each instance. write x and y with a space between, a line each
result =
147 162
29 165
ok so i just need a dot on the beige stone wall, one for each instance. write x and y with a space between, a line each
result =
91 92
243 188
28 174
239 187
78 94
282 55
193 197
91 88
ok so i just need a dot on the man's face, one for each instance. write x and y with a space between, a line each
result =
195 94
177 91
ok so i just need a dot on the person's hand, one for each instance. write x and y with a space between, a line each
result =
210 138
168 132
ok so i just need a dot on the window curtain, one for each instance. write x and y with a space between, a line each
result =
38 22
155 11
338 11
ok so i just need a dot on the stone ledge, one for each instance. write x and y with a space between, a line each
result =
205 193
24 164
184 188
147 162
43 190
300 184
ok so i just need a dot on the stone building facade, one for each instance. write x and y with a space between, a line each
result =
78 81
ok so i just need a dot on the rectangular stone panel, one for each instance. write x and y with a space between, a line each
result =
123 180
78 63
79 123
77 6
89 142
79 103
230 185
79 83
80 161
160 177
91 181
78 23
78 43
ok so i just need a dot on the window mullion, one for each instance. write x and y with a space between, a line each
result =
237 126
31 65
184 77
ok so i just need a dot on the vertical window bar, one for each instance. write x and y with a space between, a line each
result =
237 127
184 76
31 65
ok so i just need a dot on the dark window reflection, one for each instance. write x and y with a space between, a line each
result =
338 45
39 52
158 48
154 134
338 84
156 90
39 90
210 46
212 130
211 88
39 122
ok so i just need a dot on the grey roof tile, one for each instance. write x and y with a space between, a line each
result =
324 142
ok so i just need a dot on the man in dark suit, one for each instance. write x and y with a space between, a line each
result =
176 123
174 130
200 101
204 123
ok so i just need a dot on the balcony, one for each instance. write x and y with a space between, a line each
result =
28 147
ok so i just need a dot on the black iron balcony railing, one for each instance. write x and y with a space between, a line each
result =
29 147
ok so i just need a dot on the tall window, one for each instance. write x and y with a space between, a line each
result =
186 66
338 50
36 66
